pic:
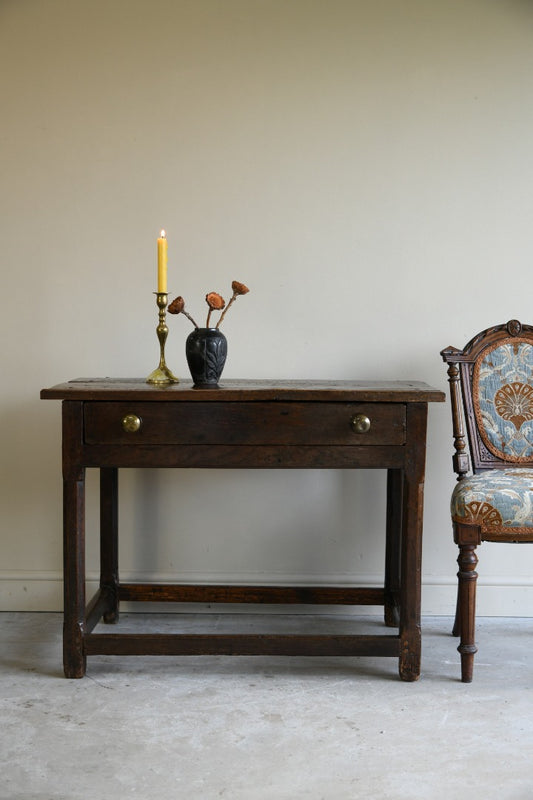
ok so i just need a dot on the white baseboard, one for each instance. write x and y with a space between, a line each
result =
43 591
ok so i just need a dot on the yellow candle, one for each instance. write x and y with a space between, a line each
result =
162 260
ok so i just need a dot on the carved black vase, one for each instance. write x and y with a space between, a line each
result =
206 350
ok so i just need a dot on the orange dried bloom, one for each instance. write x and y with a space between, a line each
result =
215 301
176 306
239 288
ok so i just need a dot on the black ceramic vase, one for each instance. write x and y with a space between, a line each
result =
206 350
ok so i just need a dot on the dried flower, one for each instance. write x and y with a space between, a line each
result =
215 302
177 306
238 288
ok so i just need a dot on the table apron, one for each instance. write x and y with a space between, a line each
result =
246 457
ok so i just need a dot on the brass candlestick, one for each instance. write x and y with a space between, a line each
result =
162 375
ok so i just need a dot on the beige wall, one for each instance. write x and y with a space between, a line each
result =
365 168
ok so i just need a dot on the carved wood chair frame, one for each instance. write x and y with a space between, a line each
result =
470 446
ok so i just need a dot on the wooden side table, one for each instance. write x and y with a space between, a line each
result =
111 424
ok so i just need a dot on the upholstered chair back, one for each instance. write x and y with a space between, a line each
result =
494 396
503 399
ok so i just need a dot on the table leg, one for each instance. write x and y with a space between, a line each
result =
109 542
393 546
411 550
74 659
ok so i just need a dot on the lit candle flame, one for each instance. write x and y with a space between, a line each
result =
163 234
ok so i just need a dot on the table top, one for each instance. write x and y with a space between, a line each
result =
246 390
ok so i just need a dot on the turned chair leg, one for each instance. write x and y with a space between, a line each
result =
466 612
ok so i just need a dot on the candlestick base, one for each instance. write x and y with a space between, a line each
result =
162 376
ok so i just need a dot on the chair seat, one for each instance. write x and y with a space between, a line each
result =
500 501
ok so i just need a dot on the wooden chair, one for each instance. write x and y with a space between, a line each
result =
491 387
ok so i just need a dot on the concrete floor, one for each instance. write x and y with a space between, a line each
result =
262 728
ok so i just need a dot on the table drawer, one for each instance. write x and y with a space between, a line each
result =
234 423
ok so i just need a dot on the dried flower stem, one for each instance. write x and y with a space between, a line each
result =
238 288
233 298
186 314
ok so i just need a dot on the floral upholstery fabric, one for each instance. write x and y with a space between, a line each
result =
500 501
503 400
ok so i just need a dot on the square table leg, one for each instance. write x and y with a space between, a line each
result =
393 544
411 554
74 658
109 542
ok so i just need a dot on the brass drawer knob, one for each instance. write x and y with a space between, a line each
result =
360 423
131 423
